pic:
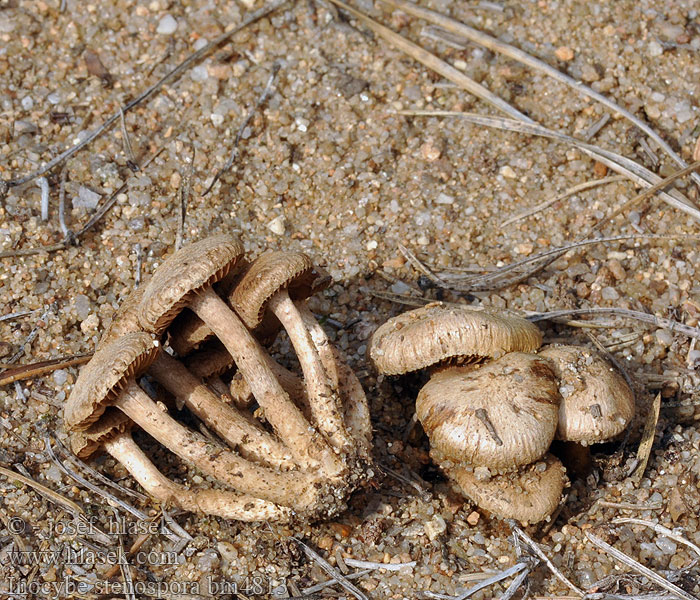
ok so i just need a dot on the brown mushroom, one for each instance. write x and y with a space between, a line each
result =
239 432
109 379
185 280
112 432
529 495
271 281
500 415
436 333
596 402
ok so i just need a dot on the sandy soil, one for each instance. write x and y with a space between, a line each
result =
328 166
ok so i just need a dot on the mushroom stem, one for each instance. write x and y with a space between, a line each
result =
342 377
292 489
242 435
322 398
286 419
222 503
291 382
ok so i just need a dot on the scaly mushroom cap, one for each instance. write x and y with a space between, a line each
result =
434 333
126 319
499 416
269 273
182 273
104 376
85 443
596 402
529 495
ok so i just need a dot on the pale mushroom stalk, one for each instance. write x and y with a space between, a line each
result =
185 280
288 489
280 282
240 433
280 411
228 422
322 397
222 503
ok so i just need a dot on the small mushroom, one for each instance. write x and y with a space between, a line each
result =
437 333
185 280
239 432
529 495
500 415
280 282
109 380
596 402
112 432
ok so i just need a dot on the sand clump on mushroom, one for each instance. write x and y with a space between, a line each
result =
310 450
492 407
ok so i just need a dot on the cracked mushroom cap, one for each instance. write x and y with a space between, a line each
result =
271 272
500 416
528 495
596 402
104 376
436 332
85 443
183 273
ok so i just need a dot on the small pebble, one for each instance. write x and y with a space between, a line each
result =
86 198
564 53
167 25
277 225
60 377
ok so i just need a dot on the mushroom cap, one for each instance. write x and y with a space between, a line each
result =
85 443
529 495
126 319
436 332
105 375
271 272
596 402
211 360
499 416
187 270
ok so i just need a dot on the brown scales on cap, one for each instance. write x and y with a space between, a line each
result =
499 416
429 335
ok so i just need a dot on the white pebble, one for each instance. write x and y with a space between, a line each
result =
60 377
86 199
435 527
609 293
27 103
666 545
444 199
277 225
167 25
655 48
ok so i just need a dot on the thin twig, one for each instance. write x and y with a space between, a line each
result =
48 493
586 185
30 338
68 235
325 566
633 564
18 315
618 163
43 183
365 564
433 62
630 505
42 368
234 153
184 196
660 322
518 55
543 557
515 585
183 66
661 530
128 150
330 582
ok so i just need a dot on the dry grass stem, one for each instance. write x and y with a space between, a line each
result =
169 76
660 529
633 564
581 187
41 368
495 45
433 62
618 163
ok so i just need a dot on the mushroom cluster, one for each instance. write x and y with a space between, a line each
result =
280 446
492 407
